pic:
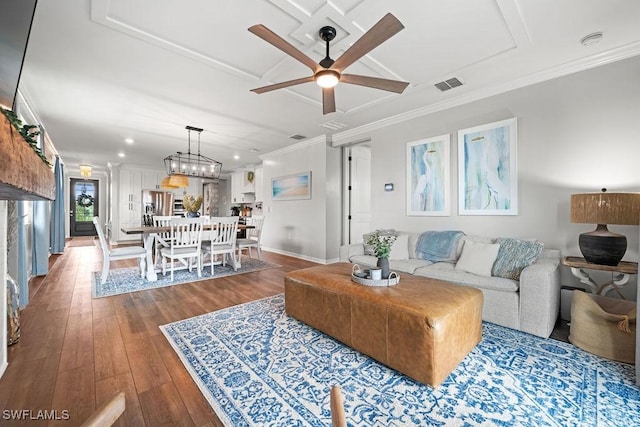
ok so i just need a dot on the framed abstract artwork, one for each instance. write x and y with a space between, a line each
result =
428 177
291 187
487 169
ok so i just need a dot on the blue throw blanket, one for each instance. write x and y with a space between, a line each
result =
437 246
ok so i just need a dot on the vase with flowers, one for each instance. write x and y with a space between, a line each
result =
381 242
192 205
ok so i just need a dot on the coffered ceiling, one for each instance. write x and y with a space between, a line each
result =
97 72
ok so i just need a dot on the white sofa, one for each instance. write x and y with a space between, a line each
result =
530 304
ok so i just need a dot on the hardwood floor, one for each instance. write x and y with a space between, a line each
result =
75 352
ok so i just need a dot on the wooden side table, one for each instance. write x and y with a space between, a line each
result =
622 273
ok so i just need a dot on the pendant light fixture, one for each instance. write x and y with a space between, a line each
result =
190 164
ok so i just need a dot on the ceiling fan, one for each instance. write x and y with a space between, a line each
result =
327 73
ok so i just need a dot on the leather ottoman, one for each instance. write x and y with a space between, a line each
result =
421 327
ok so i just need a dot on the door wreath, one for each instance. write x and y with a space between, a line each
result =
85 200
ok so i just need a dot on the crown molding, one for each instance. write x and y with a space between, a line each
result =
594 61
295 147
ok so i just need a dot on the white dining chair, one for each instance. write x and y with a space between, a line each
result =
184 248
222 241
253 236
162 239
125 252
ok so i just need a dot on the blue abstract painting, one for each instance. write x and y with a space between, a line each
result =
428 176
487 182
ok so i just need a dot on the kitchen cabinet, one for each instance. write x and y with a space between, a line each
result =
130 186
249 181
259 185
151 180
130 206
239 187
130 215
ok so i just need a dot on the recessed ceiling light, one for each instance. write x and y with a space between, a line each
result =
592 38
253 150
121 154
128 140
236 157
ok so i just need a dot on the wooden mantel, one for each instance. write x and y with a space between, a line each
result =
23 174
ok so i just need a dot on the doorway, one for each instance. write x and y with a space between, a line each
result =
357 200
83 206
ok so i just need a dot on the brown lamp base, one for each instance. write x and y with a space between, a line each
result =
603 247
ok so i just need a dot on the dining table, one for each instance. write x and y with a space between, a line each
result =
149 233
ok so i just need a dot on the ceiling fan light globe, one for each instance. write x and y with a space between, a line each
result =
327 78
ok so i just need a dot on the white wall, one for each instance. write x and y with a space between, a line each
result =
309 229
578 133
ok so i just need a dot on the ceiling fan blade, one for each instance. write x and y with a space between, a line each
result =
384 29
374 82
271 37
283 85
328 100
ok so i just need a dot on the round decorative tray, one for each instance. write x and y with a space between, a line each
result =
363 277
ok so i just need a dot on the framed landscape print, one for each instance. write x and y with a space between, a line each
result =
428 176
291 187
487 169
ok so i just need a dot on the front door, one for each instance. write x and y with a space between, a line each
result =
83 207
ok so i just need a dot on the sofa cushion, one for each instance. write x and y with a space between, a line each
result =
514 255
400 248
447 272
439 246
364 260
408 265
478 258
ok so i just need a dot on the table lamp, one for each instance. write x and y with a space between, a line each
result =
602 246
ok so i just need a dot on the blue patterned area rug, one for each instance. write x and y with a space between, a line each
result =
123 280
258 367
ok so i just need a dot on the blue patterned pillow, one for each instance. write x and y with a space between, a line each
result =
514 255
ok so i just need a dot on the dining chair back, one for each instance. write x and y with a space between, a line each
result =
125 252
184 246
162 239
253 236
222 241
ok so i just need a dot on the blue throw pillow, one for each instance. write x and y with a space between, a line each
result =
514 255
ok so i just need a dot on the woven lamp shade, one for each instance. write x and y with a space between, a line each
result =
178 181
165 183
606 208
602 246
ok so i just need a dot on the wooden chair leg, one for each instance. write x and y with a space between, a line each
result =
338 418
108 413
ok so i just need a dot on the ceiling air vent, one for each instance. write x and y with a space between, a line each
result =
297 137
448 84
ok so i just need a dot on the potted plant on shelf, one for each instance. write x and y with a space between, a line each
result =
381 242
192 205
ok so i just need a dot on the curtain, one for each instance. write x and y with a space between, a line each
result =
40 249
22 279
57 211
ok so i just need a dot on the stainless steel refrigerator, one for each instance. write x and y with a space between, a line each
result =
156 203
